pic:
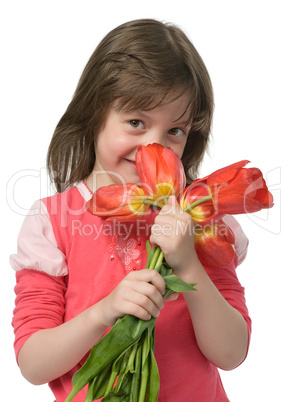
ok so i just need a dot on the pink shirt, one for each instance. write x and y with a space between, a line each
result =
68 259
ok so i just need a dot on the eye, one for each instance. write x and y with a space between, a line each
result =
136 123
176 131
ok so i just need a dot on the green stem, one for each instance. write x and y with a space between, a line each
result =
155 257
166 200
71 395
200 201
159 260
157 204
144 367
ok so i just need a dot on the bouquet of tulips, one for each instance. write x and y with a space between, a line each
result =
122 366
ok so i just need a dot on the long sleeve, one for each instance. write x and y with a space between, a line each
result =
41 270
39 304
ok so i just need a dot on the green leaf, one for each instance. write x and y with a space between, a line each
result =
112 397
125 332
153 386
98 385
125 386
150 253
123 368
144 367
131 361
165 269
176 284
114 373
126 352
137 374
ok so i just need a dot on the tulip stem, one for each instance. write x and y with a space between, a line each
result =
156 259
200 201
157 204
159 260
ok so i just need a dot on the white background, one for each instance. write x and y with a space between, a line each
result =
44 47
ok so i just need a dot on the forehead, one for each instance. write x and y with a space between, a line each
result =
179 105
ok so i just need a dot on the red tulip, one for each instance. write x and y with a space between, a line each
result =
214 245
235 190
161 170
204 211
117 201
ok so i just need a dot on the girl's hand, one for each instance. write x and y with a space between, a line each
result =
140 294
173 233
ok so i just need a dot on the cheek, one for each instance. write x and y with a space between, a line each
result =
113 145
106 141
123 145
178 149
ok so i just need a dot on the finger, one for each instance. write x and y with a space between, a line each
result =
172 208
136 310
172 297
172 200
142 301
146 292
148 276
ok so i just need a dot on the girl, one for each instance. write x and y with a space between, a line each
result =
76 274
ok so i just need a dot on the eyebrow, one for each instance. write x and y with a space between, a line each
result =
184 122
141 113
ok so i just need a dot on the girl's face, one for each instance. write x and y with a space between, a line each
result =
117 143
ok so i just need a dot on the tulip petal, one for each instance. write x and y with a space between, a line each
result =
245 192
214 253
223 232
265 198
203 213
237 204
198 189
176 168
225 174
160 170
120 202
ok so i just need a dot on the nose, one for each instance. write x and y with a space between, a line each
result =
157 136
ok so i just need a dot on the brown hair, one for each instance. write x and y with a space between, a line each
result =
141 64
